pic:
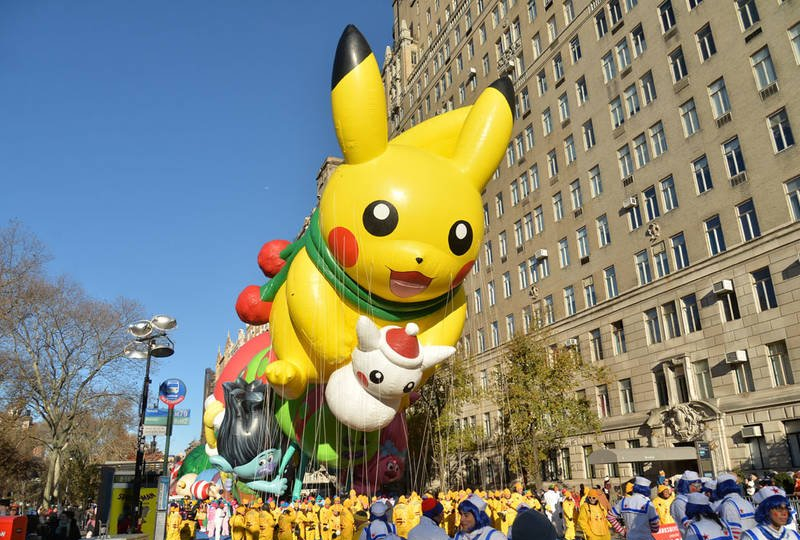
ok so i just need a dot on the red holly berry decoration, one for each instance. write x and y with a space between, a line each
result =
250 308
269 258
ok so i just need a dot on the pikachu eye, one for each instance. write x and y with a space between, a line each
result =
380 218
460 237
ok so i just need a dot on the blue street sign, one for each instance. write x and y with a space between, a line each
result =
171 392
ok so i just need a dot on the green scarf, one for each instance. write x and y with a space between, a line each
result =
364 300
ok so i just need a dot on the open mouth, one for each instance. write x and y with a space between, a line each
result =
408 284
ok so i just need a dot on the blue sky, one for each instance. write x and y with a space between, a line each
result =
154 146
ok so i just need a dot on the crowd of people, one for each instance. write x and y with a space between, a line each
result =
700 509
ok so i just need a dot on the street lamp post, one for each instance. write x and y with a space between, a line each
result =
150 340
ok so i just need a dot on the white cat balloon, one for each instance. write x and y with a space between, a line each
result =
386 365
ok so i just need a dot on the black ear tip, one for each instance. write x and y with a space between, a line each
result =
506 87
350 52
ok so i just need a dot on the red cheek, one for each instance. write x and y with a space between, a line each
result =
462 273
344 246
362 379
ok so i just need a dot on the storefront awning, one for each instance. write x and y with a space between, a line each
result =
639 455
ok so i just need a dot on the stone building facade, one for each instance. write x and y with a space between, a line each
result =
646 212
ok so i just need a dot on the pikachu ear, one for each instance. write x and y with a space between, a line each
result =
486 132
358 99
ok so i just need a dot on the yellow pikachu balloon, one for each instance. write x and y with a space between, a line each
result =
398 226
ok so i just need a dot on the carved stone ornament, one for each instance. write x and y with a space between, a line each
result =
653 231
684 421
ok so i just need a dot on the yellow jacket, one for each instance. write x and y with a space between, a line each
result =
662 507
592 521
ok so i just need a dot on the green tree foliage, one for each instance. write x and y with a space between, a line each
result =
437 447
536 393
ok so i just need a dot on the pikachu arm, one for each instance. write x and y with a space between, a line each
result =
323 323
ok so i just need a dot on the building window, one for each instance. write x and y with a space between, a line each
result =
498 205
716 240
522 275
625 161
677 65
658 139
575 49
488 252
506 284
794 40
588 469
583 243
600 24
618 337
765 291
492 295
679 253
623 54
481 340
503 244
538 220
705 42
782 137
558 68
495 334
743 375
615 11
596 344
528 224
596 182
651 204
734 159
660 381
792 428
632 100
748 13
793 194
552 29
652 326
779 363
575 194
668 193
702 174
648 88
748 220
569 300
661 261
527 318
672 326
718 94
730 307
617 114
589 294
666 15
691 313
533 173
689 118
558 207
547 122
641 151
639 43
563 253
509 326
634 218
550 317
529 142
581 91
536 43
610 278
603 403
588 135
609 67
603 232
702 373
569 150
763 69
626 396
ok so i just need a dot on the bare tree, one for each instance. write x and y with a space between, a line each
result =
60 351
